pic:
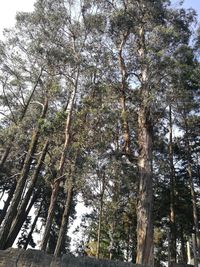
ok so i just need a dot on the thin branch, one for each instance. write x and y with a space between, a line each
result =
32 93
8 104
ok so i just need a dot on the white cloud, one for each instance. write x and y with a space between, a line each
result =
8 9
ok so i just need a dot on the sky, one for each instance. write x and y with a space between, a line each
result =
8 9
192 3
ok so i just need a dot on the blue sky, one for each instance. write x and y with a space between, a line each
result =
194 4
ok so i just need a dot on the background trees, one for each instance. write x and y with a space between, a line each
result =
100 103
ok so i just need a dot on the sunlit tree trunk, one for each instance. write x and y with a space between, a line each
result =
145 192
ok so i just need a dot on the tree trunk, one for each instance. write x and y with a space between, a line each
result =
111 245
145 191
18 222
100 216
172 234
191 184
50 215
32 227
194 242
128 242
145 194
183 247
59 175
21 183
194 207
5 154
7 202
124 76
65 220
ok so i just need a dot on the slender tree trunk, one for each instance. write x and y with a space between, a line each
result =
18 222
59 175
128 243
123 89
194 242
112 230
50 215
67 210
172 234
145 191
65 219
191 183
188 252
194 207
145 194
100 217
20 184
5 154
7 202
111 233
183 247
32 227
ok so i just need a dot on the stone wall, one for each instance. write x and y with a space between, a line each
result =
35 258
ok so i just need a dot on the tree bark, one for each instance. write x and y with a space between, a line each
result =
145 194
